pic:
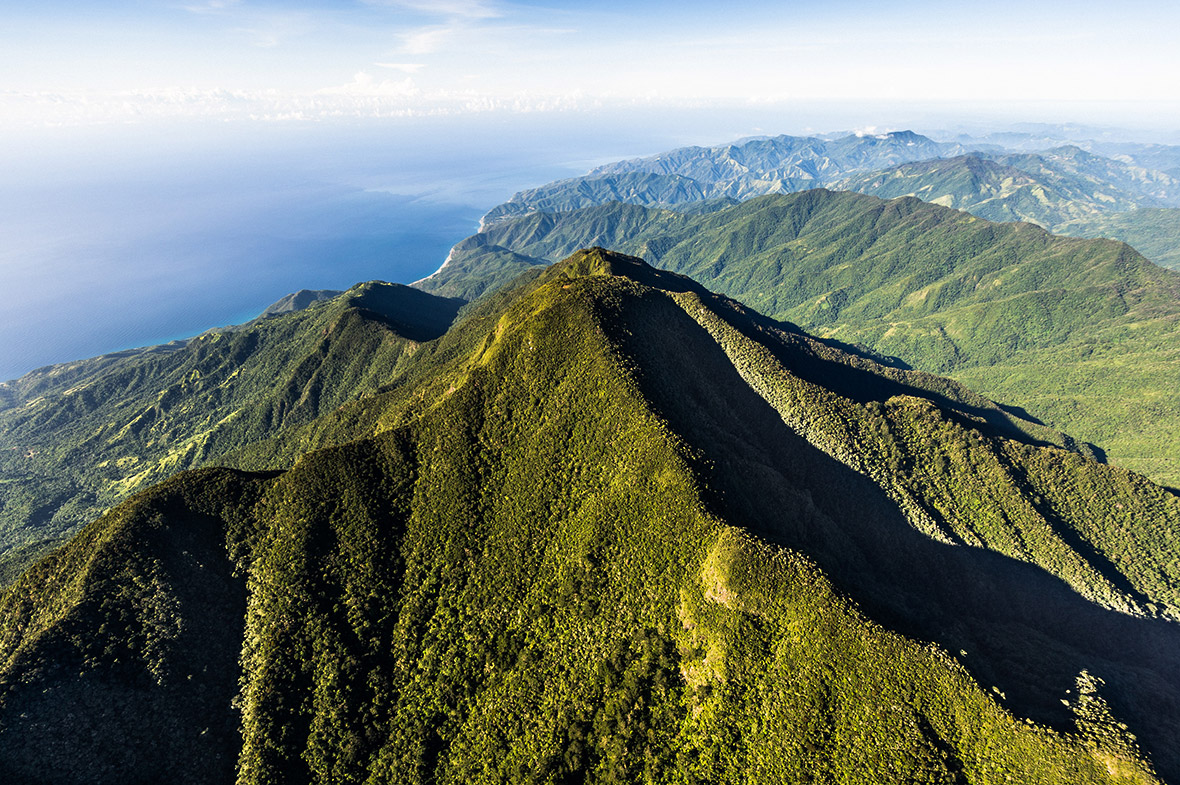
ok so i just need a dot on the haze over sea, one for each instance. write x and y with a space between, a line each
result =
117 238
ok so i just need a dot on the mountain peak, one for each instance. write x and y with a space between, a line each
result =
598 261
892 136
297 301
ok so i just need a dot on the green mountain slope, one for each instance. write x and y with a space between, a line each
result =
1072 163
1081 333
76 438
632 532
997 191
1153 232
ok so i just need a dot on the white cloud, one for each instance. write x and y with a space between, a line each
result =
363 84
426 40
463 9
211 6
409 68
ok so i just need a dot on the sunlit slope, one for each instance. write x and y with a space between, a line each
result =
1153 232
76 438
993 190
634 532
1082 334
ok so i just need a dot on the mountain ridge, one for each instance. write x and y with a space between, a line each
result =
688 177
1005 308
544 569
74 439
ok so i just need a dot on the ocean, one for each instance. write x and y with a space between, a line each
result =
113 238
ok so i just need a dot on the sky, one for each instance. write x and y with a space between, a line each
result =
167 166
118 61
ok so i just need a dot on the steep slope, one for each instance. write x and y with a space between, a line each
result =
1083 334
76 438
631 536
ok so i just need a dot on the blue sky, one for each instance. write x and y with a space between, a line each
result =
65 62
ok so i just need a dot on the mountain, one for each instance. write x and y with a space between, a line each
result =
1154 232
1082 333
298 301
1074 163
996 191
78 437
1053 188
617 529
646 188
688 177
786 159
1161 157
1066 188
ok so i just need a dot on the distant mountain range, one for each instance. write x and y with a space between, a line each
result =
782 164
1052 189
1065 189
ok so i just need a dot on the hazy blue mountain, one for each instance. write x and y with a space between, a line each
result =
1108 177
726 173
1161 157
646 188
1034 188
786 159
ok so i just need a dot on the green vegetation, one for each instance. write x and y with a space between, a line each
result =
1065 190
77 438
1082 334
1153 232
1012 188
613 528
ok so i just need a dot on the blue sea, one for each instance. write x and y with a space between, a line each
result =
112 238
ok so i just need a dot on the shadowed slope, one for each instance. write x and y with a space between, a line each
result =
1022 630
526 577
1081 334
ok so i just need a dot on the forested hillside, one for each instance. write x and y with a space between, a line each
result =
1080 333
614 528
76 438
